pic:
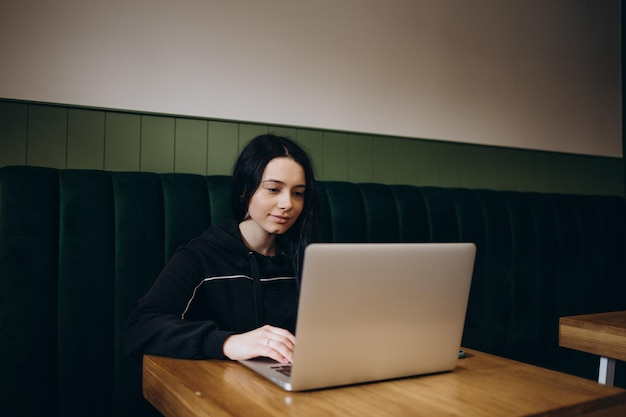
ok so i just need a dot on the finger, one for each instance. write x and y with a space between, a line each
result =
282 344
282 335
279 351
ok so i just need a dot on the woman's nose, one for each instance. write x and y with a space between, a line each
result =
285 201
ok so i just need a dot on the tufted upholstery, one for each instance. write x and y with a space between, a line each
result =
79 247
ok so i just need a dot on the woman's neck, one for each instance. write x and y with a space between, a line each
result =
257 239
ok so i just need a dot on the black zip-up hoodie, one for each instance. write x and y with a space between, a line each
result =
211 288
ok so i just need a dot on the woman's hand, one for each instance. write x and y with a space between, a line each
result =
272 342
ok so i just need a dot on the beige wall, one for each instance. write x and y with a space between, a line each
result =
530 74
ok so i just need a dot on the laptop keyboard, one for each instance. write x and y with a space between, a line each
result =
286 369
283 369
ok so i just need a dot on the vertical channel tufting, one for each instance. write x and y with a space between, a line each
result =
186 209
139 258
522 324
570 252
611 212
441 214
29 212
547 258
499 270
347 211
411 212
324 217
78 248
471 221
218 188
85 293
381 214
591 265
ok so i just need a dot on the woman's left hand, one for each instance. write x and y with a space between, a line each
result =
272 342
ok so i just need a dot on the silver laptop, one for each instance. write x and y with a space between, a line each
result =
376 311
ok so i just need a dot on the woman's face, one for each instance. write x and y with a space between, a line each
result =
278 201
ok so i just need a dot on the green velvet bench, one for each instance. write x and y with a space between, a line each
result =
79 247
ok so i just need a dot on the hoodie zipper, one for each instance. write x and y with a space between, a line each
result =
259 311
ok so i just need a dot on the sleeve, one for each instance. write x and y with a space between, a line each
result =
156 326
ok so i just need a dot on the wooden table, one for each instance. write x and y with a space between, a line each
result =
481 385
603 334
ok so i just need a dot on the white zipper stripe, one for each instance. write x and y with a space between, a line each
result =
226 277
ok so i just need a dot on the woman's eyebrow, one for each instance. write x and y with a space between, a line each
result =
282 183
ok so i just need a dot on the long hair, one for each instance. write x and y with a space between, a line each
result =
247 176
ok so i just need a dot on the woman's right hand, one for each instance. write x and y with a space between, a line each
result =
269 341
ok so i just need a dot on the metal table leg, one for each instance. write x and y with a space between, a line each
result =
606 374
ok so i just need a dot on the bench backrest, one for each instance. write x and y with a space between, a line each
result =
79 247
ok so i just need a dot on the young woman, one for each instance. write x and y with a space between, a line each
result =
233 291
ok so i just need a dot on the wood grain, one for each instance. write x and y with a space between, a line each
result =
481 385
602 334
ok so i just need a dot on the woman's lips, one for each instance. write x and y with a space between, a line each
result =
280 219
